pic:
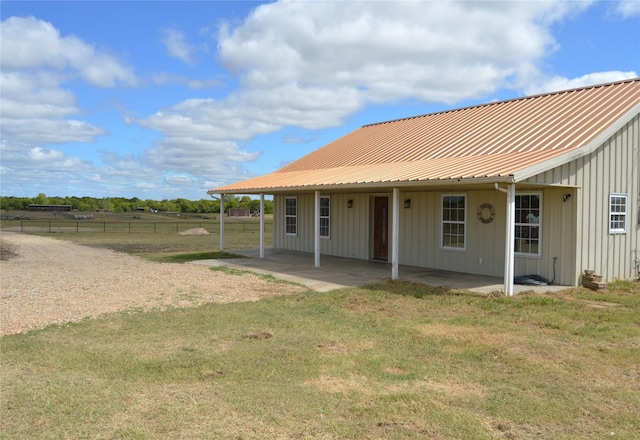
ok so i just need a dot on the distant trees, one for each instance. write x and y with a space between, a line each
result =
121 204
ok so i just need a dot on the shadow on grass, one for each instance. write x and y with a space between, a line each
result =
416 290
183 258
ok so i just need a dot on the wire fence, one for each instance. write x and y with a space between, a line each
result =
138 227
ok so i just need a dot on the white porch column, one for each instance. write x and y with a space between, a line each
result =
261 225
510 238
316 230
395 233
221 222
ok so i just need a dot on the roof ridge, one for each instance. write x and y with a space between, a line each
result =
522 98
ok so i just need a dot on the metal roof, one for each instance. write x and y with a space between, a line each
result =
498 141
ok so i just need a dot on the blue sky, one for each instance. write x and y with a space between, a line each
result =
161 100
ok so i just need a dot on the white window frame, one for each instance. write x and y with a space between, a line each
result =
325 220
293 216
622 217
444 223
521 225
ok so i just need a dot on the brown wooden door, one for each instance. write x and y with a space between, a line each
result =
381 228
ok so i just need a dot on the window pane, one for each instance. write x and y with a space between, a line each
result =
453 222
618 213
527 223
290 215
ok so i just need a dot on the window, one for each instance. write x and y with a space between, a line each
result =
291 216
527 233
325 212
617 213
453 221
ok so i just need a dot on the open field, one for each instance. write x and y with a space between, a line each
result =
386 361
153 236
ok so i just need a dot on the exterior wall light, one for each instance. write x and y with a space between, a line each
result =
350 203
407 203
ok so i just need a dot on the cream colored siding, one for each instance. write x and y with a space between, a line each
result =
349 226
558 238
420 233
610 168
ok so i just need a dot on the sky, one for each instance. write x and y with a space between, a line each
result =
163 100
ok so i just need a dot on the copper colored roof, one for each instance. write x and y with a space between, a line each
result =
497 141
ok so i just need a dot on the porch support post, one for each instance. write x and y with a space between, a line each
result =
316 230
221 222
510 237
395 233
261 225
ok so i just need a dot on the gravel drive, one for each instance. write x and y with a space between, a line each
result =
53 281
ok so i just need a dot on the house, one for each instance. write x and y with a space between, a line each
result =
546 185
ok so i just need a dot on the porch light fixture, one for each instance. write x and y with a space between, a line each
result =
566 197
350 203
407 203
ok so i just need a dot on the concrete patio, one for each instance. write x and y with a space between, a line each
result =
338 272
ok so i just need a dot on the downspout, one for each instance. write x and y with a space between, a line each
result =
509 238
316 230
395 233
261 225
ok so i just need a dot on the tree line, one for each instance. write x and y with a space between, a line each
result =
122 204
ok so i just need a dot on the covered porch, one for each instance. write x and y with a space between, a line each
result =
340 272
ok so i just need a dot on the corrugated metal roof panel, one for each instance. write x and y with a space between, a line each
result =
491 140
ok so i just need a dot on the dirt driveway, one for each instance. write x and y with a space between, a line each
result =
45 281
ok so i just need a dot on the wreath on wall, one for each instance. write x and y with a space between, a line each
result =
486 213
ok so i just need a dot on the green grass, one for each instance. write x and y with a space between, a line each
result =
394 361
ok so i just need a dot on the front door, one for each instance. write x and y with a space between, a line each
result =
381 228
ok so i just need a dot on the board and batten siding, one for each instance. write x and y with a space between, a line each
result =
349 227
613 167
420 232
420 235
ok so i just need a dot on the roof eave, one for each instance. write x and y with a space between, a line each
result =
375 186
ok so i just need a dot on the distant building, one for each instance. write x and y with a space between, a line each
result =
238 212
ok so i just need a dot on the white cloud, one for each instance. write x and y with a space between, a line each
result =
432 51
557 83
313 64
38 110
177 46
627 8
36 63
32 43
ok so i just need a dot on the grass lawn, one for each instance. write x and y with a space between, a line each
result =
393 361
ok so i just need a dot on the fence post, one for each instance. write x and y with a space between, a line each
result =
129 227
77 227
104 227
49 226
